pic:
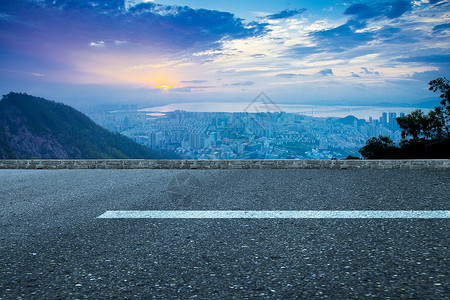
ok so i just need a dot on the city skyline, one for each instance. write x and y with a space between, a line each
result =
270 134
171 51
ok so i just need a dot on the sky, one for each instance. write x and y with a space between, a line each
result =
153 53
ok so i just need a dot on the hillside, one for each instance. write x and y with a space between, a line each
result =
32 127
350 120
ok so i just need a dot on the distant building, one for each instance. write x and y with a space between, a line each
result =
155 140
185 144
383 119
196 141
392 121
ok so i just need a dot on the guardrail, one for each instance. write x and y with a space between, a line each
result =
427 164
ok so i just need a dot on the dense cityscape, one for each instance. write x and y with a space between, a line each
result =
246 135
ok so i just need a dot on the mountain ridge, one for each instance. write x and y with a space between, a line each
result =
34 127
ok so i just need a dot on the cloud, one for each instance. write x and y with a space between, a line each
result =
343 37
97 44
258 55
286 14
243 83
442 27
325 72
194 81
288 75
369 71
355 31
361 11
302 51
435 1
146 27
427 75
431 59
390 10
4 16
187 89
355 75
120 42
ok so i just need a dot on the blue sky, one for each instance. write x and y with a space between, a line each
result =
162 52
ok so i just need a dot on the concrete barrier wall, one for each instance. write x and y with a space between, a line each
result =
429 164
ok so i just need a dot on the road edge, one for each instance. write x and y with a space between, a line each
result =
407 164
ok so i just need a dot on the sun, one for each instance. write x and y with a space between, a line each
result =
164 86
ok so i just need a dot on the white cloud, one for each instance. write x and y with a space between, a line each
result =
97 44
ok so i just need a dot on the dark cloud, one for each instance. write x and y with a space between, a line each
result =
440 28
351 35
398 8
325 72
441 61
348 36
286 14
427 75
60 24
361 11
369 71
390 10
194 81
80 4
436 1
343 37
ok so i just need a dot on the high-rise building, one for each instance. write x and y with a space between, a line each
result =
196 141
383 119
392 121
155 140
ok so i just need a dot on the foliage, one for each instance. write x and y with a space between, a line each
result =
352 157
443 112
423 135
415 124
377 147
432 126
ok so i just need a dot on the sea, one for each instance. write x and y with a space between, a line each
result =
320 111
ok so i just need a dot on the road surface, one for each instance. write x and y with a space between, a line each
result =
54 246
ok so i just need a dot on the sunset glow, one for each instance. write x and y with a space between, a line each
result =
164 87
314 52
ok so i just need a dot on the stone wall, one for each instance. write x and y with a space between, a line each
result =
430 164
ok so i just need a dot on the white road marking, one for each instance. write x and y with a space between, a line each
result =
276 214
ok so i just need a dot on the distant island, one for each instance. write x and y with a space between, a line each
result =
33 127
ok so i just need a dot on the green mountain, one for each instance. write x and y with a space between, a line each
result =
350 120
32 127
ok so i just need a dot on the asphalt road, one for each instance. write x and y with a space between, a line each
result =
53 246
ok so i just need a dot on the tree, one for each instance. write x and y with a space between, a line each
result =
432 126
416 124
443 112
377 147
441 84
438 124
